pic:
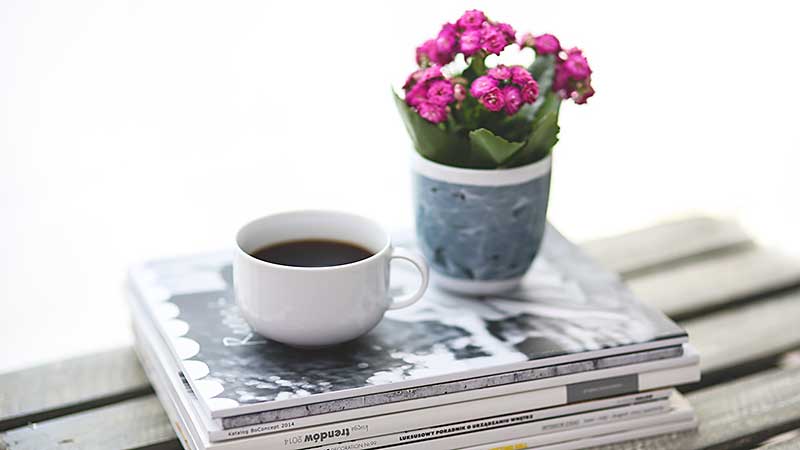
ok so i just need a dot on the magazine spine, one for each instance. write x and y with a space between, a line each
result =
574 428
167 401
534 426
455 397
553 398
593 441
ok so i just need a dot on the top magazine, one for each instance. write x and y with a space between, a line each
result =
568 309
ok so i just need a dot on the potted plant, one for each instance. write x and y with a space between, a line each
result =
483 133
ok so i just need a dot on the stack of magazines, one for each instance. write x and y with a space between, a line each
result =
570 360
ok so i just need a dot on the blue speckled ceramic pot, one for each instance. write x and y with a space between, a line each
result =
480 229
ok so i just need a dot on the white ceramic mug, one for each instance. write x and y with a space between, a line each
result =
318 306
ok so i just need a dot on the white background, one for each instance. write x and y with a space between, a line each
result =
130 130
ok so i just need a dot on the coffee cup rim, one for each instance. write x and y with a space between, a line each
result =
384 247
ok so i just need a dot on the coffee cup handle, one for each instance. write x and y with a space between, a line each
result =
419 262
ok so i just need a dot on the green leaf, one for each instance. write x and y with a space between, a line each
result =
540 141
543 70
487 146
550 102
431 140
541 65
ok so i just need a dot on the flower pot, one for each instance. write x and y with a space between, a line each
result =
480 229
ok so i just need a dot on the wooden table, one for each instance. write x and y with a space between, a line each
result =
739 302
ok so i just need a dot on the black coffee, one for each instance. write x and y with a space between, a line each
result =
312 253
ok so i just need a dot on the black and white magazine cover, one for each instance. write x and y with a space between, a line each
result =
582 391
567 309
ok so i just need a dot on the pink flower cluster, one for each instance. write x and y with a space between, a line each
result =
505 88
573 74
573 78
472 33
430 94
501 88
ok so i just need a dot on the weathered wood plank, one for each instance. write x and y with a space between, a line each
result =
133 424
728 352
666 244
746 339
736 415
68 386
708 285
733 416
786 441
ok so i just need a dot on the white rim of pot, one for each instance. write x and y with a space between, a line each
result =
480 177
473 288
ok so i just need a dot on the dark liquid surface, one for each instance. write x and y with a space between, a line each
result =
312 253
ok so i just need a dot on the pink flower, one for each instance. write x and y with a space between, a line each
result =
446 40
513 99
459 92
530 91
520 75
425 51
471 20
431 73
446 44
482 85
492 39
440 92
576 65
417 94
419 82
470 42
499 73
422 75
507 30
561 81
493 100
441 50
432 112
546 44
412 79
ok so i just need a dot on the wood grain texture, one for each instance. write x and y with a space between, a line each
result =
68 386
666 244
786 441
708 285
794 444
736 415
746 339
132 424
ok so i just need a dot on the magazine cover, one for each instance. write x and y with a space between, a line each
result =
568 309
638 382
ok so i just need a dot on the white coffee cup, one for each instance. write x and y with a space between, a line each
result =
318 306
